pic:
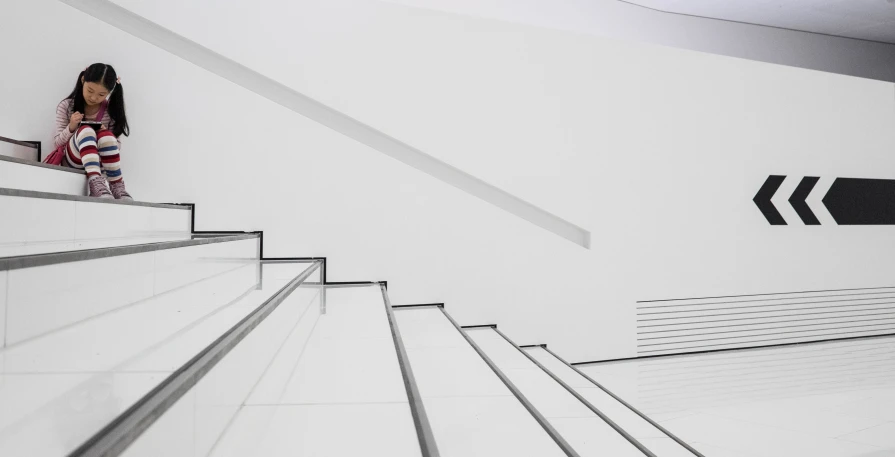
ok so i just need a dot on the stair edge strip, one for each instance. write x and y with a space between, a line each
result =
542 421
117 435
42 260
626 404
424 433
6 192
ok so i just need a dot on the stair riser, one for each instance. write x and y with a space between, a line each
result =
18 151
46 298
28 177
39 225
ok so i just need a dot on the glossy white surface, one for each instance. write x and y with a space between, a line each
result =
322 430
65 385
28 177
826 399
300 384
487 426
10 250
651 437
39 225
45 298
210 406
471 411
42 299
17 151
590 436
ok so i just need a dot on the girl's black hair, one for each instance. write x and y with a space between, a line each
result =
101 73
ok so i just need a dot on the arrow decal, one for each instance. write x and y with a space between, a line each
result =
797 200
763 200
853 201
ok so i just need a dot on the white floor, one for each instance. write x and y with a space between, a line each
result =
312 380
820 400
57 389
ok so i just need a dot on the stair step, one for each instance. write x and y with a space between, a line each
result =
471 410
23 174
60 389
41 222
50 291
18 149
653 436
318 377
585 431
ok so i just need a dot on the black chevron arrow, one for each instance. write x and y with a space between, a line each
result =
763 200
853 201
797 200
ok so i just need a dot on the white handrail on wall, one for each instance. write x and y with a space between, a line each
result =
280 94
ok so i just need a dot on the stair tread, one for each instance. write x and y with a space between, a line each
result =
60 388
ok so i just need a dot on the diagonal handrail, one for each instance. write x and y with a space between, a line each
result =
289 98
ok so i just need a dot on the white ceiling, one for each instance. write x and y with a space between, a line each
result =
863 19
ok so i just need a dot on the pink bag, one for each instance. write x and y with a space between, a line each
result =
55 157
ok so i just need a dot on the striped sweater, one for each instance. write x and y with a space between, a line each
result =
63 115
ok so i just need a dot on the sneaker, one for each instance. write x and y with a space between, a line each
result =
96 185
119 192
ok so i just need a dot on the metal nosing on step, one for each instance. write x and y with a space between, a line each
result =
580 398
116 436
80 198
40 260
626 404
32 163
421 305
542 421
420 419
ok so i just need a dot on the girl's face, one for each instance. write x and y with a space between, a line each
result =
95 93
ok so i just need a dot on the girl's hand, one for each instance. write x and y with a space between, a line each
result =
75 119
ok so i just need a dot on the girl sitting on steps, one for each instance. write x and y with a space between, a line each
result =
98 96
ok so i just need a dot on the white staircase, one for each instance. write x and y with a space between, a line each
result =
123 332
22 174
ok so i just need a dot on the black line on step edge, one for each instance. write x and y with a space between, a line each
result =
421 305
192 207
627 405
580 398
746 348
352 283
557 438
127 427
469 327
30 144
420 419
534 346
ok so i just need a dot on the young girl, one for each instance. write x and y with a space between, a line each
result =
94 150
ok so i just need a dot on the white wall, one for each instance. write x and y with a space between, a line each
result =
628 21
657 151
